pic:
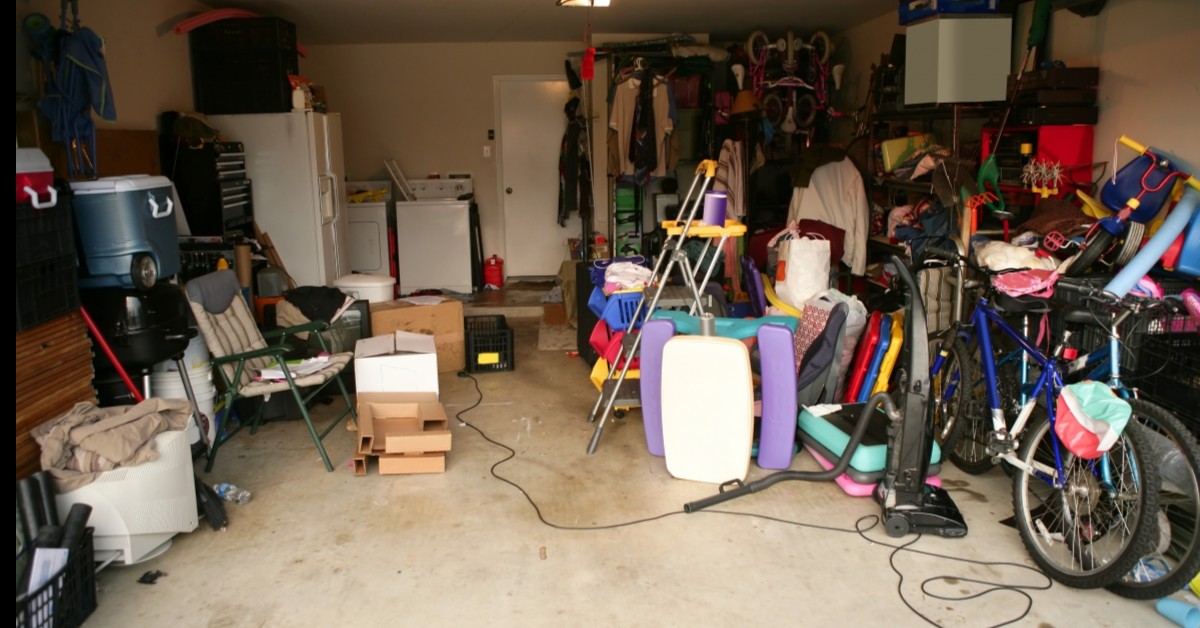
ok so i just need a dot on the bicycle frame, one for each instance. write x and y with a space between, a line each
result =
1005 440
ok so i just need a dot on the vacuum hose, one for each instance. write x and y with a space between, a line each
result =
843 462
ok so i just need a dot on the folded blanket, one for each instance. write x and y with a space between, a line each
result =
88 440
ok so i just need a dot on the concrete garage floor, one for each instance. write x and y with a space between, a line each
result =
467 549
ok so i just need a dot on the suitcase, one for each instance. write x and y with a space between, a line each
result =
127 232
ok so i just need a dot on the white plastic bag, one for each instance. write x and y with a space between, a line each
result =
803 269
856 322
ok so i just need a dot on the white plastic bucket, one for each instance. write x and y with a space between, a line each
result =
168 385
373 288
196 357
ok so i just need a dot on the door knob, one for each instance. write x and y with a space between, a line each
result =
508 190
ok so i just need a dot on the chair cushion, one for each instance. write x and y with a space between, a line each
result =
337 362
214 291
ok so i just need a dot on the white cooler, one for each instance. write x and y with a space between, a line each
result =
373 288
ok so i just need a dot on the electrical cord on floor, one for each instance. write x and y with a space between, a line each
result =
859 529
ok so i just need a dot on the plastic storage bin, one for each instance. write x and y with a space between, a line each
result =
45 232
46 290
127 232
242 65
489 344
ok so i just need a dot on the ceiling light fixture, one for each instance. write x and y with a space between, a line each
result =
582 3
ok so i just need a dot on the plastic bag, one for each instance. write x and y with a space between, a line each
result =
1090 418
803 269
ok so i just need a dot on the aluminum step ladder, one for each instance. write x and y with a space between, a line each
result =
670 258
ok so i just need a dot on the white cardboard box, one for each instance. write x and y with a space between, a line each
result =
398 362
957 59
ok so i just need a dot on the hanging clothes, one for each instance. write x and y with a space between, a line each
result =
76 84
835 195
623 119
574 168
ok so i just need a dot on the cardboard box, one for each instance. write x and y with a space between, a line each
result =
554 313
396 464
443 321
396 362
401 423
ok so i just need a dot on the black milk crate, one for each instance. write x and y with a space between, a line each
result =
489 344
68 598
46 233
1168 374
46 290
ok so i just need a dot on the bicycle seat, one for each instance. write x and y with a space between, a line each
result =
1023 304
1082 315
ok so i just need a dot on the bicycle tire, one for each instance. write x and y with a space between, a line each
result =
973 425
1102 535
773 109
806 111
822 46
950 391
1096 243
1178 545
757 44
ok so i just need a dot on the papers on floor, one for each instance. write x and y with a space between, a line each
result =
298 368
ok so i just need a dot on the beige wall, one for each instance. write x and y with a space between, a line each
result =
858 48
428 106
147 62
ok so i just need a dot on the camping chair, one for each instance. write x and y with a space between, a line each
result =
239 351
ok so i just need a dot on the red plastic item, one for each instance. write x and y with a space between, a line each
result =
493 271
1170 257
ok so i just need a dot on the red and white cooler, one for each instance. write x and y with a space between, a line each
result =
35 179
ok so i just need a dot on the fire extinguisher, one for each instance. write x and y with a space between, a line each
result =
493 272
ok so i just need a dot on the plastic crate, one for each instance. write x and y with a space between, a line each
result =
68 598
242 65
489 344
46 290
1169 374
47 233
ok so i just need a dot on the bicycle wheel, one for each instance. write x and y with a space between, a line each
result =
806 111
822 47
950 391
757 46
972 423
1176 556
773 109
1092 531
1097 242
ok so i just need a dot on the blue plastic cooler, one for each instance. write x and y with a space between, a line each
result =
127 232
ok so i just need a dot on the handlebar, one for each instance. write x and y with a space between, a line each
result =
1133 144
1141 150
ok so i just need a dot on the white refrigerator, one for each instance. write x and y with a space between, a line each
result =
297 171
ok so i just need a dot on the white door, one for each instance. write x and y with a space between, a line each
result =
532 122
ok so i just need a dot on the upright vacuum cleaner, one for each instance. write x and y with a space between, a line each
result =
908 503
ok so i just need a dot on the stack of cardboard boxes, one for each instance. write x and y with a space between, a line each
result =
401 423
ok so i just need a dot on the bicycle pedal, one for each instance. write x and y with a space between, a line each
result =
1000 444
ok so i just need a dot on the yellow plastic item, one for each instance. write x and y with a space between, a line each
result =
1196 584
731 229
893 352
773 299
600 372
895 151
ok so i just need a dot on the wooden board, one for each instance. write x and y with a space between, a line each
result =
54 372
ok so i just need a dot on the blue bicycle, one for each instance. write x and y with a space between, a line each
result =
1175 558
1085 522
